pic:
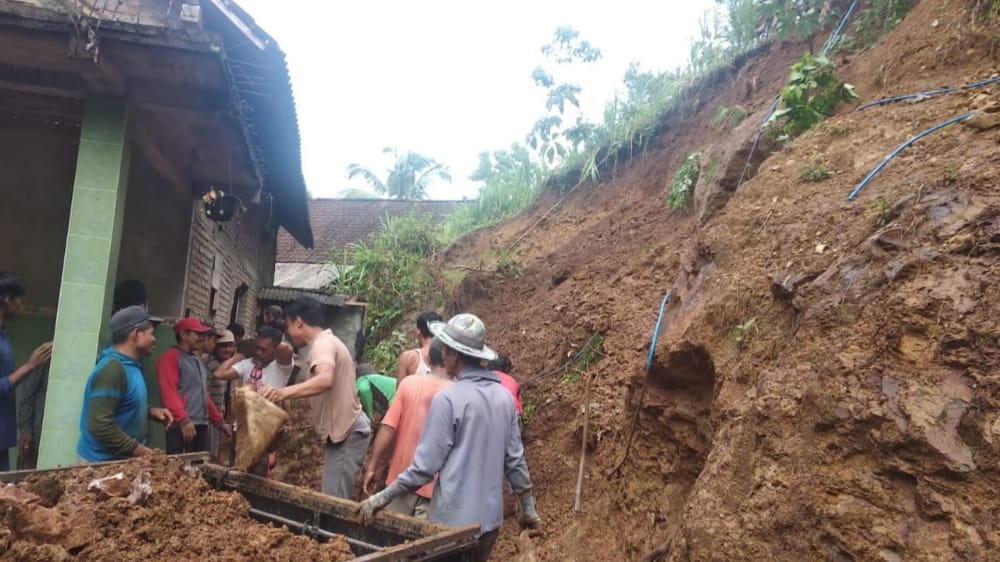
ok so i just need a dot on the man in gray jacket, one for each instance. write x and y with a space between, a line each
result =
183 381
471 438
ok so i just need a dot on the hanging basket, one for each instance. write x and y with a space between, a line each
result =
220 207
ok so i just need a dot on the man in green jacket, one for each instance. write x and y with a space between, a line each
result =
375 390
115 401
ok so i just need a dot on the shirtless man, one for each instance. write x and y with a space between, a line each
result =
417 361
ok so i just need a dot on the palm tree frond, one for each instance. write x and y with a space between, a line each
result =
367 175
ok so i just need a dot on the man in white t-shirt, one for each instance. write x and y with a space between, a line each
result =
271 365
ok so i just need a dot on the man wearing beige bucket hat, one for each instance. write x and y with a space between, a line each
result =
471 439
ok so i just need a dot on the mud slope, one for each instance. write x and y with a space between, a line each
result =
855 417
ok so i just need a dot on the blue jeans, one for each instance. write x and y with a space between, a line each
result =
4 460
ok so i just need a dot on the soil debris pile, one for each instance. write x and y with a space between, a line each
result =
825 386
49 518
300 450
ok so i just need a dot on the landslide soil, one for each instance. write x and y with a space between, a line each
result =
57 519
826 383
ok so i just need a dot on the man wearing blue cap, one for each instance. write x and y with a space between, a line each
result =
471 438
115 404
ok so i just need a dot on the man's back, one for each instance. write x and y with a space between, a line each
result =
376 393
471 437
407 415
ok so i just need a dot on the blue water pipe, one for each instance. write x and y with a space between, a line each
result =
836 33
777 99
901 147
645 383
656 334
756 140
930 93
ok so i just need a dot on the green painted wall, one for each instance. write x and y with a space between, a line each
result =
88 273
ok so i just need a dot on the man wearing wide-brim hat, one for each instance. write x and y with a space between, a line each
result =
471 438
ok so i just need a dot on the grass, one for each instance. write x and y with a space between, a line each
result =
530 409
837 128
505 264
883 208
815 172
728 116
590 354
741 333
713 166
950 175
453 278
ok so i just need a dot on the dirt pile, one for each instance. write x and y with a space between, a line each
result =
826 385
299 450
56 519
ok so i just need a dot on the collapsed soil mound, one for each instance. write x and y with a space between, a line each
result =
825 386
49 518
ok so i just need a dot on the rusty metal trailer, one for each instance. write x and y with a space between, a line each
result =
392 538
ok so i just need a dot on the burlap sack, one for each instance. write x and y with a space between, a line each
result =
258 421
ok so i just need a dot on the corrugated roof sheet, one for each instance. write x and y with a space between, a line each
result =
284 294
261 79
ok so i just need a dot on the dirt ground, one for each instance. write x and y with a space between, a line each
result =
300 450
49 519
825 386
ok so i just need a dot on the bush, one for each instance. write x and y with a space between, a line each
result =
682 186
384 355
391 271
811 95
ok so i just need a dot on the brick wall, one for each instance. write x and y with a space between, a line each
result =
245 251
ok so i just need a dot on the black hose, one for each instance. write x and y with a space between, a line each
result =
929 94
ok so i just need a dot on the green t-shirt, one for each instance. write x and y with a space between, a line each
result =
376 393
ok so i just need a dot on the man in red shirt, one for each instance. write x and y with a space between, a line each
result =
502 367
400 433
183 379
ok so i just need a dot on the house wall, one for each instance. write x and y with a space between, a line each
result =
155 236
242 252
34 213
34 218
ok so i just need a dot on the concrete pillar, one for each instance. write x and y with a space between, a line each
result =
88 274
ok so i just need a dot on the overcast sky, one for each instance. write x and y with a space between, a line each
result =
448 79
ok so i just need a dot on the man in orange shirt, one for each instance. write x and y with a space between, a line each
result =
401 427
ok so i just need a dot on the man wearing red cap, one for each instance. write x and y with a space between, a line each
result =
183 381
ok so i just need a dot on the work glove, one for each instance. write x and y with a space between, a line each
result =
374 503
529 518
